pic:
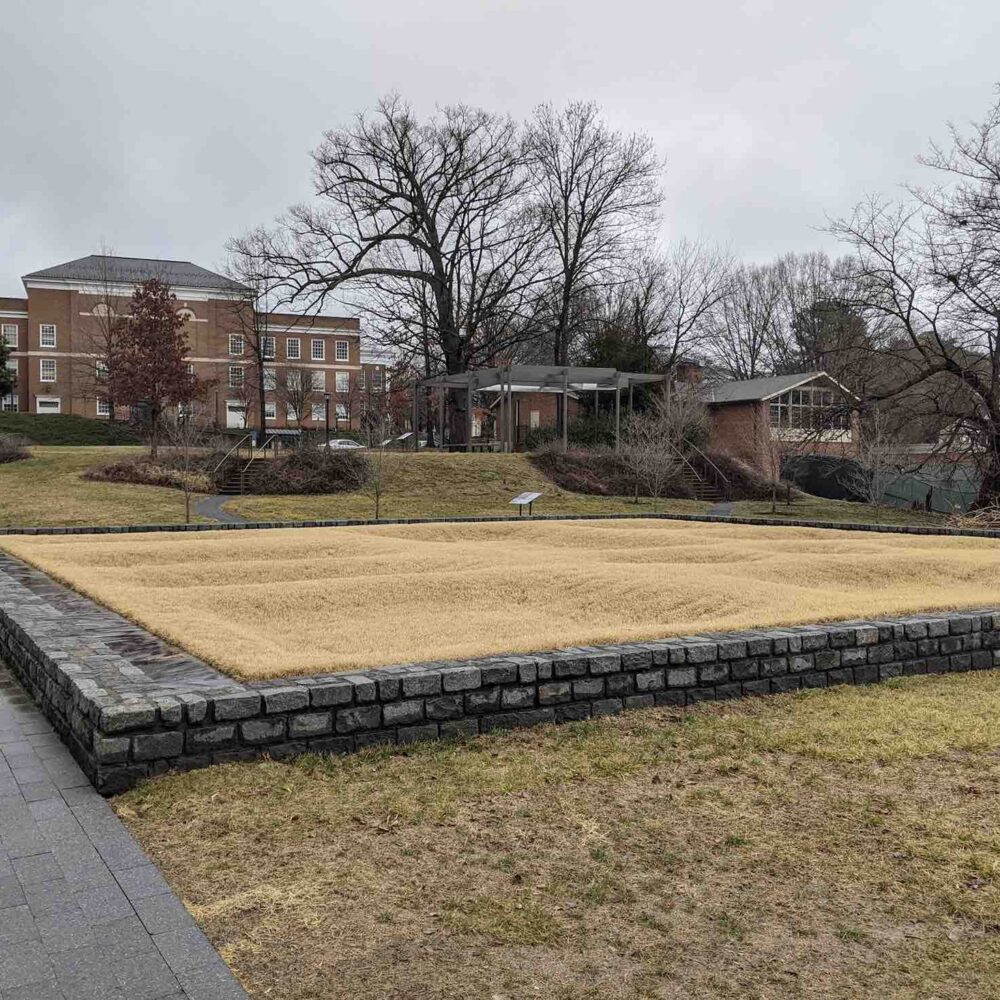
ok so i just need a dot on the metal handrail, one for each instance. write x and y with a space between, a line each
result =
718 472
256 448
236 447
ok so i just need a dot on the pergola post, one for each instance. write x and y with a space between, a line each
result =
416 414
511 414
502 415
565 412
631 407
618 415
442 398
468 415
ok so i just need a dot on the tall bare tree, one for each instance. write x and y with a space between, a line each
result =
744 325
930 266
295 390
404 206
597 195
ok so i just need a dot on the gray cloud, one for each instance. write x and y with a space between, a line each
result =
161 128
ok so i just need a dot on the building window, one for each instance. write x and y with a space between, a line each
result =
319 381
47 335
810 408
318 350
48 404
236 345
270 379
293 348
47 370
185 314
290 412
343 381
235 376
267 347
101 370
341 411
190 369
343 350
376 377
10 334
8 403
319 411
103 408
270 411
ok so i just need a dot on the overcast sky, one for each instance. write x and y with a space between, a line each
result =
161 127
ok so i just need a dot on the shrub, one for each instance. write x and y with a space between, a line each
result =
587 431
744 481
67 429
167 470
310 470
598 471
13 448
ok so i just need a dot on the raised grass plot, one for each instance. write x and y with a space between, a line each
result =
270 603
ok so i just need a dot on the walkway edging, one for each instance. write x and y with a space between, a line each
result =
129 706
770 522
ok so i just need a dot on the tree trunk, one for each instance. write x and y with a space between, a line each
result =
261 400
154 432
989 488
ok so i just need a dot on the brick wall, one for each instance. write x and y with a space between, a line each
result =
130 707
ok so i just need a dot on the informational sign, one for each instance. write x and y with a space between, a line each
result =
523 500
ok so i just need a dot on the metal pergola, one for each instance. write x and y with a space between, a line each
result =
511 379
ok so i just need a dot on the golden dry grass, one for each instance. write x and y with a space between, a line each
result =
835 844
269 603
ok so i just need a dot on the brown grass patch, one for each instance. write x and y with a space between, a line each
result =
294 601
830 844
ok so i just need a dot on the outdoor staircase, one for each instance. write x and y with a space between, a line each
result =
237 475
701 489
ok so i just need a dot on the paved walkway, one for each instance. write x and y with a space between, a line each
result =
723 508
84 915
212 507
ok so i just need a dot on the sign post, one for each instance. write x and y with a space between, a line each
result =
523 500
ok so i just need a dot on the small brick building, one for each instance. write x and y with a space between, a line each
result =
762 420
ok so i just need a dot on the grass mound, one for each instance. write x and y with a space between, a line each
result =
261 604
167 470
839 843
66 429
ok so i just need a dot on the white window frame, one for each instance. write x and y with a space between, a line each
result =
376 378
9 403
44 330
268 348
270 410
237 345
293 380
103 407
9 334
297 354
270 379
101 370
290 413
48 399
342 381
240 380
190 368
43 364
342 350
319 381
317 350
341 411
319 412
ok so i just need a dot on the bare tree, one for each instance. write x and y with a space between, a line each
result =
377 475
880 458
931 267
187 437
597 194
744 326
295 390
656 443
407 207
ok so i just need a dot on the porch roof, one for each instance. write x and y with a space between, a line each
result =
532 378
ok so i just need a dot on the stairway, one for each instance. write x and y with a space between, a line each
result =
701 489
237 475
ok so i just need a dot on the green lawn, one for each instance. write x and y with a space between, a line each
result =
831 844
47 489
66 429
812 508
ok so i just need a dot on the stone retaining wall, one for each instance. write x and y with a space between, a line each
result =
130 706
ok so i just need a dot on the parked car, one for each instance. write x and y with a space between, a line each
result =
341 443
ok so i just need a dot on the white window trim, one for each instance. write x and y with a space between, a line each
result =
269 348
42 362
319 381
48 399
342 381
233 338
241 378
297 341
4 332
270 411
270 379
341 411
103 408
346 345
317 350
319 411
42 327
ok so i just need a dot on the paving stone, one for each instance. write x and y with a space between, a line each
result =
37 868
103 904
211 982
163 913
141 882
185 948
16 925
86 974
146 976
24 963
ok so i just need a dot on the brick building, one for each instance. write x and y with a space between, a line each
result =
55 340
761 420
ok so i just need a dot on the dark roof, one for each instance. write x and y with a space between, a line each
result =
758 389
131 270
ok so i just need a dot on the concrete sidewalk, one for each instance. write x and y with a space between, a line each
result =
84 915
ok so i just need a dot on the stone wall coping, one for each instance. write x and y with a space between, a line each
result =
129 705
769 522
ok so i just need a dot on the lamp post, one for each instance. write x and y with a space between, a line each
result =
326 400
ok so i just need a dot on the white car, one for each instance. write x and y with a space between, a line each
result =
341 443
